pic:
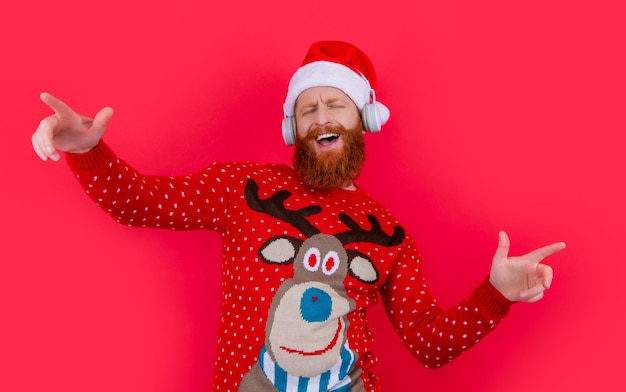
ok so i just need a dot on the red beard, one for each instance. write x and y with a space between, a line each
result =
332 169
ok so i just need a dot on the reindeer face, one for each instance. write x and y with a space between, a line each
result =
306 326
306 329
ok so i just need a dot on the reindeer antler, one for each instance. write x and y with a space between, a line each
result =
274 206
375 235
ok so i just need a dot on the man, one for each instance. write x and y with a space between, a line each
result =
305 250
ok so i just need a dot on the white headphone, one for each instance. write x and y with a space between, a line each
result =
373 116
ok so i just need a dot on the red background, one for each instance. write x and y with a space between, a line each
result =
505 115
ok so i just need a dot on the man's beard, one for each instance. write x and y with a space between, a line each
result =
330 169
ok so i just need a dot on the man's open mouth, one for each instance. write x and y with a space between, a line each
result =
327 138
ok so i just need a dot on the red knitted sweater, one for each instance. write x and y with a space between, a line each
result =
300 268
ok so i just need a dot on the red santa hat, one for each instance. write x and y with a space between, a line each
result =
340 65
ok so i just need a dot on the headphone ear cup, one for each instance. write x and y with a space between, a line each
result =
371 118
289 130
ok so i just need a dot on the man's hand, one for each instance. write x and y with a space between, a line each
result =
522 278
67 131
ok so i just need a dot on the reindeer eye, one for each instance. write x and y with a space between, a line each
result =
330 263
312 259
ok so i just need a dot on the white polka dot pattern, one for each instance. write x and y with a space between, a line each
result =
214 199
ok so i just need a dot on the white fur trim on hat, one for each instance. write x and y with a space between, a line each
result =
329 74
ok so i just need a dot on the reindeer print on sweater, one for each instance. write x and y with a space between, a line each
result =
300 269
305 346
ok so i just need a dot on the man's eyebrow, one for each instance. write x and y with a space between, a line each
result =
305 105
308 104
328 101
313 103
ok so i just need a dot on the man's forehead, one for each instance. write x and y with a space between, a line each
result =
324 93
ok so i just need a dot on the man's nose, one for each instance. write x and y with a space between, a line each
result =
322 116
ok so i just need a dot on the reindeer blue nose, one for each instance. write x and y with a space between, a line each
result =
315 305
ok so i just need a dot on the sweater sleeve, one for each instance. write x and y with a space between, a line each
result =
196 201
433 335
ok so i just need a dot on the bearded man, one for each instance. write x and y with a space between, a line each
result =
328 155
306 251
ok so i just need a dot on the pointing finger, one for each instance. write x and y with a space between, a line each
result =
548 250
59 107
